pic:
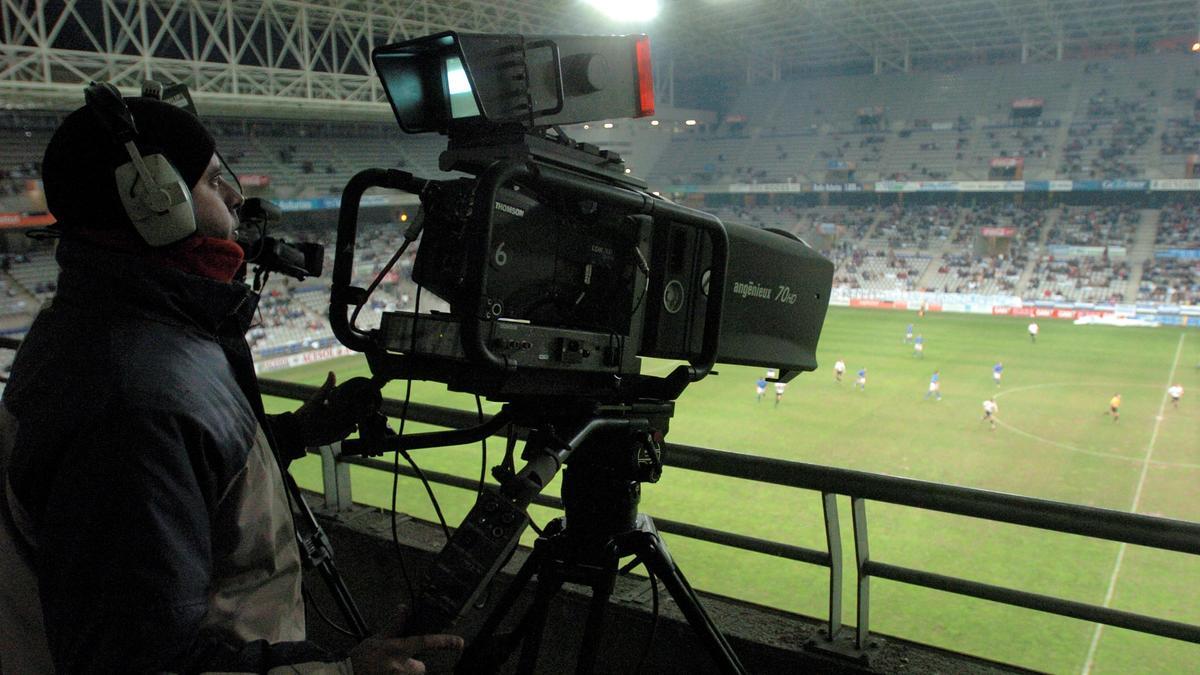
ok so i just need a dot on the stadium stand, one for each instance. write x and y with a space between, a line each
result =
1170 281
1170 275
1094 120
1097 120
961 270
1081 279
1108 226
310 159
1179 226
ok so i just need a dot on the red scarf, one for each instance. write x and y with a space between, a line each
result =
209 257
217 259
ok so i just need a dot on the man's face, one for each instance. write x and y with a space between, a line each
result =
216 203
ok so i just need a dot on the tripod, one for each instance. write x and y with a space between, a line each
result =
601 527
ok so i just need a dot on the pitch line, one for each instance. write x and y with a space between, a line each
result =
1137 498
1071 448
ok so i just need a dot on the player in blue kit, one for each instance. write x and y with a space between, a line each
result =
997 371
935 386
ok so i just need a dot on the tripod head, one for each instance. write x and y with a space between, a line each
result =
611 449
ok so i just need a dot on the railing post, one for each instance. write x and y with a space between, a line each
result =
862 555
336 478
833 536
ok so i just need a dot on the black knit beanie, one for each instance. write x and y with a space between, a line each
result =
77 170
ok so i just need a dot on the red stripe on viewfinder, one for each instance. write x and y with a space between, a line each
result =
645 78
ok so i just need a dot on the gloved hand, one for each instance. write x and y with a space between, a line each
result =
330 415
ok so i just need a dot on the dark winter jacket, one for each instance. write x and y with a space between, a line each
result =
142 504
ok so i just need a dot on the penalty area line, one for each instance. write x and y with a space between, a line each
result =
1137 498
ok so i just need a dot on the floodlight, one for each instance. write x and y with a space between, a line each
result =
626 10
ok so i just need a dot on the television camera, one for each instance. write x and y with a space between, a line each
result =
561 271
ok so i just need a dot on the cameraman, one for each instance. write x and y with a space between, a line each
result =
144 522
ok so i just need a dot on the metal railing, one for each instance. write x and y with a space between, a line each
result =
861 487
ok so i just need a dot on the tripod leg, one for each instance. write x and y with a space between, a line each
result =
593 630
530 630
651 550
317 552
476 654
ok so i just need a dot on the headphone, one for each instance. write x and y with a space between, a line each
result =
156 198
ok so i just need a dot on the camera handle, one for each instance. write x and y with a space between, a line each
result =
342 295
375 438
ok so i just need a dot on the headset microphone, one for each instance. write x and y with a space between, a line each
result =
300 260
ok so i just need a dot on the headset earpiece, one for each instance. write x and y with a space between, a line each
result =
156 198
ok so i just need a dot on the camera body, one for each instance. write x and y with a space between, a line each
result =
561 270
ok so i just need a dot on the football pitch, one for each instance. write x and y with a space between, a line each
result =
1053 440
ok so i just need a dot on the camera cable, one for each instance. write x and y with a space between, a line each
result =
653 625
412 596
410 235
483 447
416 469
312 602
378 280
645 268
654 611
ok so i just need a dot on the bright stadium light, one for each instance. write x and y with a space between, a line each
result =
653 123
1196 46
608 125
626 10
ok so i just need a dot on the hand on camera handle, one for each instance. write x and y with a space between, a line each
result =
333 412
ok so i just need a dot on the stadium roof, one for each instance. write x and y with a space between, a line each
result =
274 54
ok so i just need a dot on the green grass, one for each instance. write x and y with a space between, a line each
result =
1054 442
